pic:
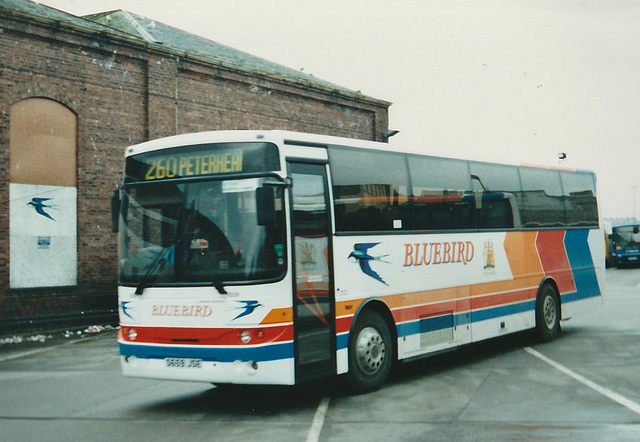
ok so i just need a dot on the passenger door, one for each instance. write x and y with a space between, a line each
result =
314 316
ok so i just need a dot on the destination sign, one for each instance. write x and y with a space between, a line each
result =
193 165
202 160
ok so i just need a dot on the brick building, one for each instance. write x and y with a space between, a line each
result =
75 91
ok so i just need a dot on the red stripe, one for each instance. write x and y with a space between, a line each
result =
417 312
343 324
412 313
497 299
208 336
553 256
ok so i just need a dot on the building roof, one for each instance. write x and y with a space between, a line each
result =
158 36
27 8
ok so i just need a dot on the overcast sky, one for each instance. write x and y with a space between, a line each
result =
510 81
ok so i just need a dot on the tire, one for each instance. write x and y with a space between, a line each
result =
547 313
370 353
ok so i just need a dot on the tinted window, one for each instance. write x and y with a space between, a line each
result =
376 191
542 198
497 192
442 193
580 198
370 190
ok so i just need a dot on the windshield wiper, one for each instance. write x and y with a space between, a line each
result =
183 219
215 281
155 265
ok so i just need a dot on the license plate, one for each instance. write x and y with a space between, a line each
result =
183 363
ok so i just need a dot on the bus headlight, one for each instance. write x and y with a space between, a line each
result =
245 336
132 333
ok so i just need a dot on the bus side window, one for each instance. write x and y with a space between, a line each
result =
542 198
497 190
496 212
580 198
370 190
442 198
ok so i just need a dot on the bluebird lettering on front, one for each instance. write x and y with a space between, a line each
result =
182 310
433 253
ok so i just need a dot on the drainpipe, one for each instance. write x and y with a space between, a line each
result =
176 95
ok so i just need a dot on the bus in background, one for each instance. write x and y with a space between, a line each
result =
624 245
273 257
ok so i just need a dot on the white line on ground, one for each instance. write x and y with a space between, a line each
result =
600 389
318 421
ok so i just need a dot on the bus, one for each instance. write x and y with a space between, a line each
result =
624 247
275 257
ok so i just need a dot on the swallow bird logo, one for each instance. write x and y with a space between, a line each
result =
39 204
247 308
124 306
364 258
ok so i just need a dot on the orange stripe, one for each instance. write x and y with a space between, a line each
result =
489 288
522 254
506 291
278 315
348 308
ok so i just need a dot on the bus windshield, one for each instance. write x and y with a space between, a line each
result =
201 232
626 237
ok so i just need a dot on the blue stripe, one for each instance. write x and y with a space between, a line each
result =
444 321
433 323
502 310
584 273
419 326
219 354
342 341
416 327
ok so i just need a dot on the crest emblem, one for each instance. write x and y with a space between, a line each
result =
489 255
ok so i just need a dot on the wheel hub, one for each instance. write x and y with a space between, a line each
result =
370 350
549 311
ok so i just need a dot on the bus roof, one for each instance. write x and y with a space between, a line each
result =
297 139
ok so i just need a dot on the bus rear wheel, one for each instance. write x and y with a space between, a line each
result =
547 313
370 353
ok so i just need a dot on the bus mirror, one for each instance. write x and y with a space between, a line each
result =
266 206
115 210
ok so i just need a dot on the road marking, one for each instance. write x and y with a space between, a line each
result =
318 421
602 390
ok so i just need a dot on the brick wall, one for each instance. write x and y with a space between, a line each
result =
122 94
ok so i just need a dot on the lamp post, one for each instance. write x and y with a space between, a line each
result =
633 205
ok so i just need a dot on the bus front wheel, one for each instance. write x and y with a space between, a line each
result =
547 313
370 353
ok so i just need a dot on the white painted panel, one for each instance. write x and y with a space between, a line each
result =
43 238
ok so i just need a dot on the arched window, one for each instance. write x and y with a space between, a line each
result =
42 193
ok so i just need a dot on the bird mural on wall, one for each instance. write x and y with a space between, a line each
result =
40 206
364 258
